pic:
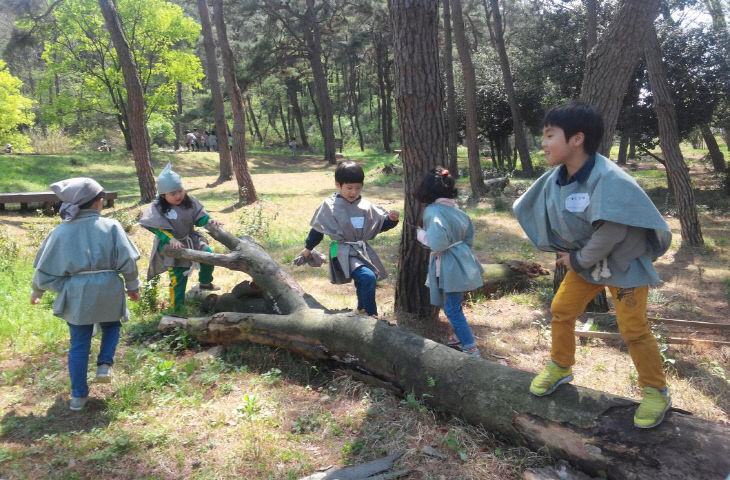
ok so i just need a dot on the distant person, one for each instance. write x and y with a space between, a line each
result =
606 233
213 141
350 221
452 268
82 260
204 141
172 217
293 145
9 148
191 141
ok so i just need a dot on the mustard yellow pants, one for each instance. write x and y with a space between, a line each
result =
571 300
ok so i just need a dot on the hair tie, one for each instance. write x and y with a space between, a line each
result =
444 172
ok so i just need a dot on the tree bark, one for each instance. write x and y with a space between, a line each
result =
623 148
677 172
284 123
381 61
253 119
718 159
591 24
496 32
612 62
314 54
476 176
589 428
246 189
135 101
451 137
418 98
292 86
178 116
225 167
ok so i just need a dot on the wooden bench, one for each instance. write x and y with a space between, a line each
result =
48 199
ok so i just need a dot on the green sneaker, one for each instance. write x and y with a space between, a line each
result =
551 377
653 407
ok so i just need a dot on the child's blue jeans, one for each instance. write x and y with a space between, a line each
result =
453 311
365 280
78 354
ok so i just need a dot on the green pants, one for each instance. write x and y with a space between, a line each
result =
179 283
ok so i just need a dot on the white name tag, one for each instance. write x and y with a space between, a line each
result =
577 202
357 222
171 214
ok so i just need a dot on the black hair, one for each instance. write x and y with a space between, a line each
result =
574 117
438 183
165 205
90 203
349 172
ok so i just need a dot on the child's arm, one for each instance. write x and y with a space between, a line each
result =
165 237
604 239
313 239
436 237
43 281
203 221
391 221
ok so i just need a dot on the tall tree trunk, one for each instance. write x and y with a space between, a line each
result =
253 119
496 32
292 86
311 88
476 176
314 54
591 24
355 99
612 62
135 101
418 100
632 147
178 115
623 148
246 189
381 58
669 141
284 123
451 137
221 127
718 159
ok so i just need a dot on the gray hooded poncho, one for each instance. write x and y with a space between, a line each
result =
559 218
350 226
179 221
82 259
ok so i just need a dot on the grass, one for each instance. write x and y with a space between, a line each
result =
252 411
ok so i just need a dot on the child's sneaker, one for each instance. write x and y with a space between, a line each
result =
103 373
473 351
552 376
208 286
452 341
653 407
77 403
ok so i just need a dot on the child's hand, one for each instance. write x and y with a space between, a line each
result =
214 222
305 253
133 296
564 260
175 243
393 216
34 300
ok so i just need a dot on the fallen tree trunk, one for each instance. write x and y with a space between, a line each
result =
591 429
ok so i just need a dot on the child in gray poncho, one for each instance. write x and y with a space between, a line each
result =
172 217
82 259
350 221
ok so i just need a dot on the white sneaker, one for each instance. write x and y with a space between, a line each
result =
103 373
77 403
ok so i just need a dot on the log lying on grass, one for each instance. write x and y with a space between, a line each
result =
591 429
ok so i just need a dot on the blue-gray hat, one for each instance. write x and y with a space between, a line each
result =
168 181
75 192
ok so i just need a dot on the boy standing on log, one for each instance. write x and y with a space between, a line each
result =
351 221
606 232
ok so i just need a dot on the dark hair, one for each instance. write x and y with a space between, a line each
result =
438 183
165 205
91 202
574 117
349 172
